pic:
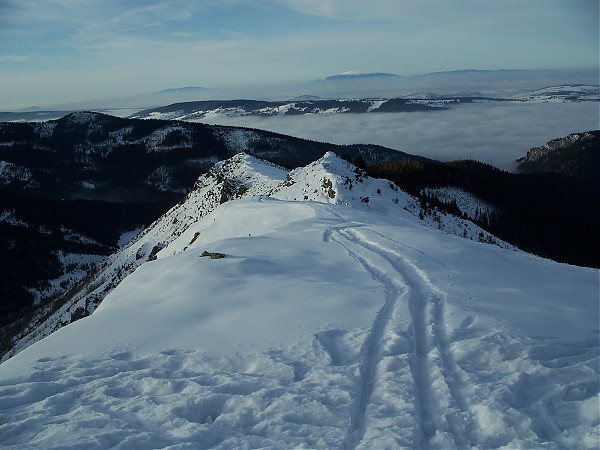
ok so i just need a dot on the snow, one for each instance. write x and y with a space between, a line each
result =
126 238
236 139
330 323
164 115
87 184
45 129
156 141
118 137
73 236
8 216
375 104
82 117
162 179
76 266
9 172
223 112
276 110
467 203
561 93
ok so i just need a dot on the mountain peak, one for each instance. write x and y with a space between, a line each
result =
82 117
183 89
330 159
573 155
354 75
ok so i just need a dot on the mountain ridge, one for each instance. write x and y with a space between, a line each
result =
167 155
353 75
109 167
526 216
576 155
329 180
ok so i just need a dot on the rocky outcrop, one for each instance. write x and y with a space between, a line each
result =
577 154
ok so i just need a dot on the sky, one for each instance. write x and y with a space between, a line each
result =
59 51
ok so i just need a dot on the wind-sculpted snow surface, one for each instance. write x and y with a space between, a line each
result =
328 324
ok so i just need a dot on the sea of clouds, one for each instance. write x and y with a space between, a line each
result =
496 133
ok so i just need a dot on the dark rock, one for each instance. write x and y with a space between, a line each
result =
213 255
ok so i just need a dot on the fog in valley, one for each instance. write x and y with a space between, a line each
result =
496 133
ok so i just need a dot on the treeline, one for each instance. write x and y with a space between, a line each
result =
33 230
551 215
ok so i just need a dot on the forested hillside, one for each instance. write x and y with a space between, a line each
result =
549 214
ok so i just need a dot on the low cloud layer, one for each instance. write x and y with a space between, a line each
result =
495 133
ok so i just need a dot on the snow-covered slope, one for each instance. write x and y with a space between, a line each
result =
213 109
468 204
330 322
221 183
330 179
561 93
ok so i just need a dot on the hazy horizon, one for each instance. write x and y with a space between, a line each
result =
501 83
60 52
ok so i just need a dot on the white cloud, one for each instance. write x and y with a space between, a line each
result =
359 9
17 58
495 133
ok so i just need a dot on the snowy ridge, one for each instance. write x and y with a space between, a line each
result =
538 154
330 322
561 93
330 180
212 110
210 190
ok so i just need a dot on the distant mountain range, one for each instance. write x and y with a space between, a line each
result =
201 109
185 89
194 111
347 85
315 104
359 76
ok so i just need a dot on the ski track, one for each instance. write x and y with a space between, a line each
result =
429 297
371 349
430 343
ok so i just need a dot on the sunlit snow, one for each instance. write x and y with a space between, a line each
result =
330 323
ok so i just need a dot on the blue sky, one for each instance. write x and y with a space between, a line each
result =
59 51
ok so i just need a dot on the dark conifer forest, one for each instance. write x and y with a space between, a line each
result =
548 214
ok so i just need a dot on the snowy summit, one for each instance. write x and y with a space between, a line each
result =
312 308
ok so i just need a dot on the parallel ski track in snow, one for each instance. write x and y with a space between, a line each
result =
371 349
428 331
